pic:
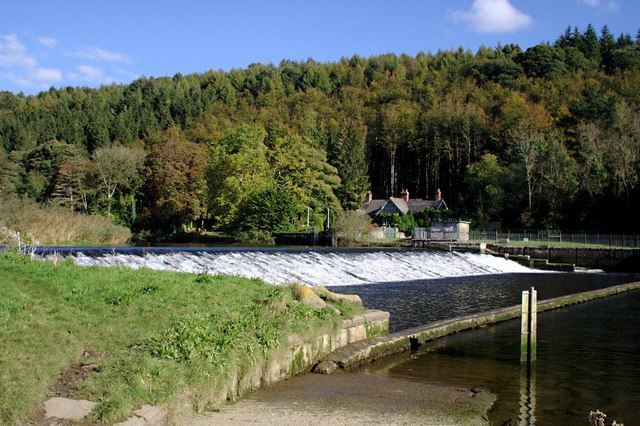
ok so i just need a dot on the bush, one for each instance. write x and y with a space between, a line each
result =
350 225
255 237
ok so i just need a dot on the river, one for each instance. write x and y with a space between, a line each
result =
588 358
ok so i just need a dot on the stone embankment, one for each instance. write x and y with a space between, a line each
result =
607 258
564 259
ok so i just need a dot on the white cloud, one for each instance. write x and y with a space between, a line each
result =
13 53
23 68
494 16
96 53
49 42
609 4
90 74
47 75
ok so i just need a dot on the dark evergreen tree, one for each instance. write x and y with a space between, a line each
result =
351 163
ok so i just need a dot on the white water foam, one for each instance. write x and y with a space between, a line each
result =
331 268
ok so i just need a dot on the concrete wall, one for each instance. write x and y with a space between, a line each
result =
303 352
601 258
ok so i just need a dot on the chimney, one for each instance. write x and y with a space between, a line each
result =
405 195
369 196
438 195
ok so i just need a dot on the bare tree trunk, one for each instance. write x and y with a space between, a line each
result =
392 169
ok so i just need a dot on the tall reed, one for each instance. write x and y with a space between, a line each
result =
23 221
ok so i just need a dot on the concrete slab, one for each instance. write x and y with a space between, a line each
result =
153 415
133 421
65 408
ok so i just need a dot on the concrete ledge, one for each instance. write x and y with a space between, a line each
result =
366 351
69 409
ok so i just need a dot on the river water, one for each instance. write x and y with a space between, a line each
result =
588 355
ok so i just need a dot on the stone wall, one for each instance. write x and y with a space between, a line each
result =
619 259
303 353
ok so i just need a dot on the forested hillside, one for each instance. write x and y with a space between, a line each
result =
543 137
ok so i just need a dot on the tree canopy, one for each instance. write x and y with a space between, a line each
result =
539 137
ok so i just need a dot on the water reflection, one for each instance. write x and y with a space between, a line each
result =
588 358
527 415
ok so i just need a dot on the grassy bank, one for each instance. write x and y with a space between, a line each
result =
126 338
24 221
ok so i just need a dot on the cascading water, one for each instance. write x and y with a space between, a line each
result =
314 267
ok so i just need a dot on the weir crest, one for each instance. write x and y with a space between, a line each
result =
333 267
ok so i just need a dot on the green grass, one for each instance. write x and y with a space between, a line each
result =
557 244
150 335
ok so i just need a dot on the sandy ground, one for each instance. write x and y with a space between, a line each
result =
353 399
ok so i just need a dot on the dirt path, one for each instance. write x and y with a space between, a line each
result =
354 399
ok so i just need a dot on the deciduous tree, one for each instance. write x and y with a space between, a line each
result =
118 169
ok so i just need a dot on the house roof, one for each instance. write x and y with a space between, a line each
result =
373 207
398 205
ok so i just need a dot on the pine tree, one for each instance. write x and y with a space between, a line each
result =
352 168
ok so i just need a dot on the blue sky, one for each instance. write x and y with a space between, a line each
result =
93 42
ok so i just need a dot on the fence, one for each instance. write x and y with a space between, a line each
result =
547 236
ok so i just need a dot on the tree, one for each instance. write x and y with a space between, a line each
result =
42 165
529 145
589 46
272 209
118 170
607 45
624 153
238 169
351 163
558 178
351 225
592 172
11 166
485 188
175 184
542 60
74 184
304 169
397 126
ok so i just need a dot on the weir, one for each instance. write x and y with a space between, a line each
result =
333 267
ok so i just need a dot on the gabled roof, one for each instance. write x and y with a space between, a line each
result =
398 205
373 207
418 205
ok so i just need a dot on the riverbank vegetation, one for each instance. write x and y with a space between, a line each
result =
25 222
125 338
546 137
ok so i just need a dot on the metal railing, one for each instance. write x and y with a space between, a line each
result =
553 236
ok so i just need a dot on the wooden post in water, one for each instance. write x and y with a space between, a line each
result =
524 330
528 333
533 321
528 356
